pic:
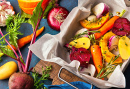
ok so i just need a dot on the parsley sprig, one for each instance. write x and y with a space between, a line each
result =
38 84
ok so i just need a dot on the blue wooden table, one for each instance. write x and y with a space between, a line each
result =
27 29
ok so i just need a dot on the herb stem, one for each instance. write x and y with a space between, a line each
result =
21 58
9 44
18 59
4 36
121 14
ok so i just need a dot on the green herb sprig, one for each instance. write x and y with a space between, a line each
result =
38 84
109 68
84 33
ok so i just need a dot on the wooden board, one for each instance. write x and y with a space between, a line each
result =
66 75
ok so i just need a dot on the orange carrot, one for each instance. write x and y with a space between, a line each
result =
23 41
97 57
106 27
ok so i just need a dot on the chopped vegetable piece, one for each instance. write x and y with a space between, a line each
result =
100 9
97 57
124 47
80 54
113 43
95 25
121 27
107 55
83 42
108 25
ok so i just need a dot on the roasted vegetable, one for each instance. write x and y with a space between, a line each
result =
121 27
83 42
96 24
124 47
107 55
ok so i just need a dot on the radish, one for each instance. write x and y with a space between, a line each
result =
113 43
100 9
81 31
56 17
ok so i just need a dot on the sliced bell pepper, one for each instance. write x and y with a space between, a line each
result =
95 25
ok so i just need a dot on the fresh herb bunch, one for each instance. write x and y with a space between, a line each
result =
45 76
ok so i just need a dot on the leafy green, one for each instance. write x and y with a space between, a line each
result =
7 51
37 13
51 4
38 84
25 15
13 24
1 59
84 33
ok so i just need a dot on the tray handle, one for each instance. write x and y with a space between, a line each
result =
66 81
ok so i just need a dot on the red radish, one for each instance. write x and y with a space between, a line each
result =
113 43
56 17
21 79
5 10
100 9
121 27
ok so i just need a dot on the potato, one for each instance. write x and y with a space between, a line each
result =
83 42
7 70
124 47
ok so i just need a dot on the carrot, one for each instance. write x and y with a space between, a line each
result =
108 25
23 41
97 57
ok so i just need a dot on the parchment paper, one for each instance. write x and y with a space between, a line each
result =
50 47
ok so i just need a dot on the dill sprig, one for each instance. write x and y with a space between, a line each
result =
13 24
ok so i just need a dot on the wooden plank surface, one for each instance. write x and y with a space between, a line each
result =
66 75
